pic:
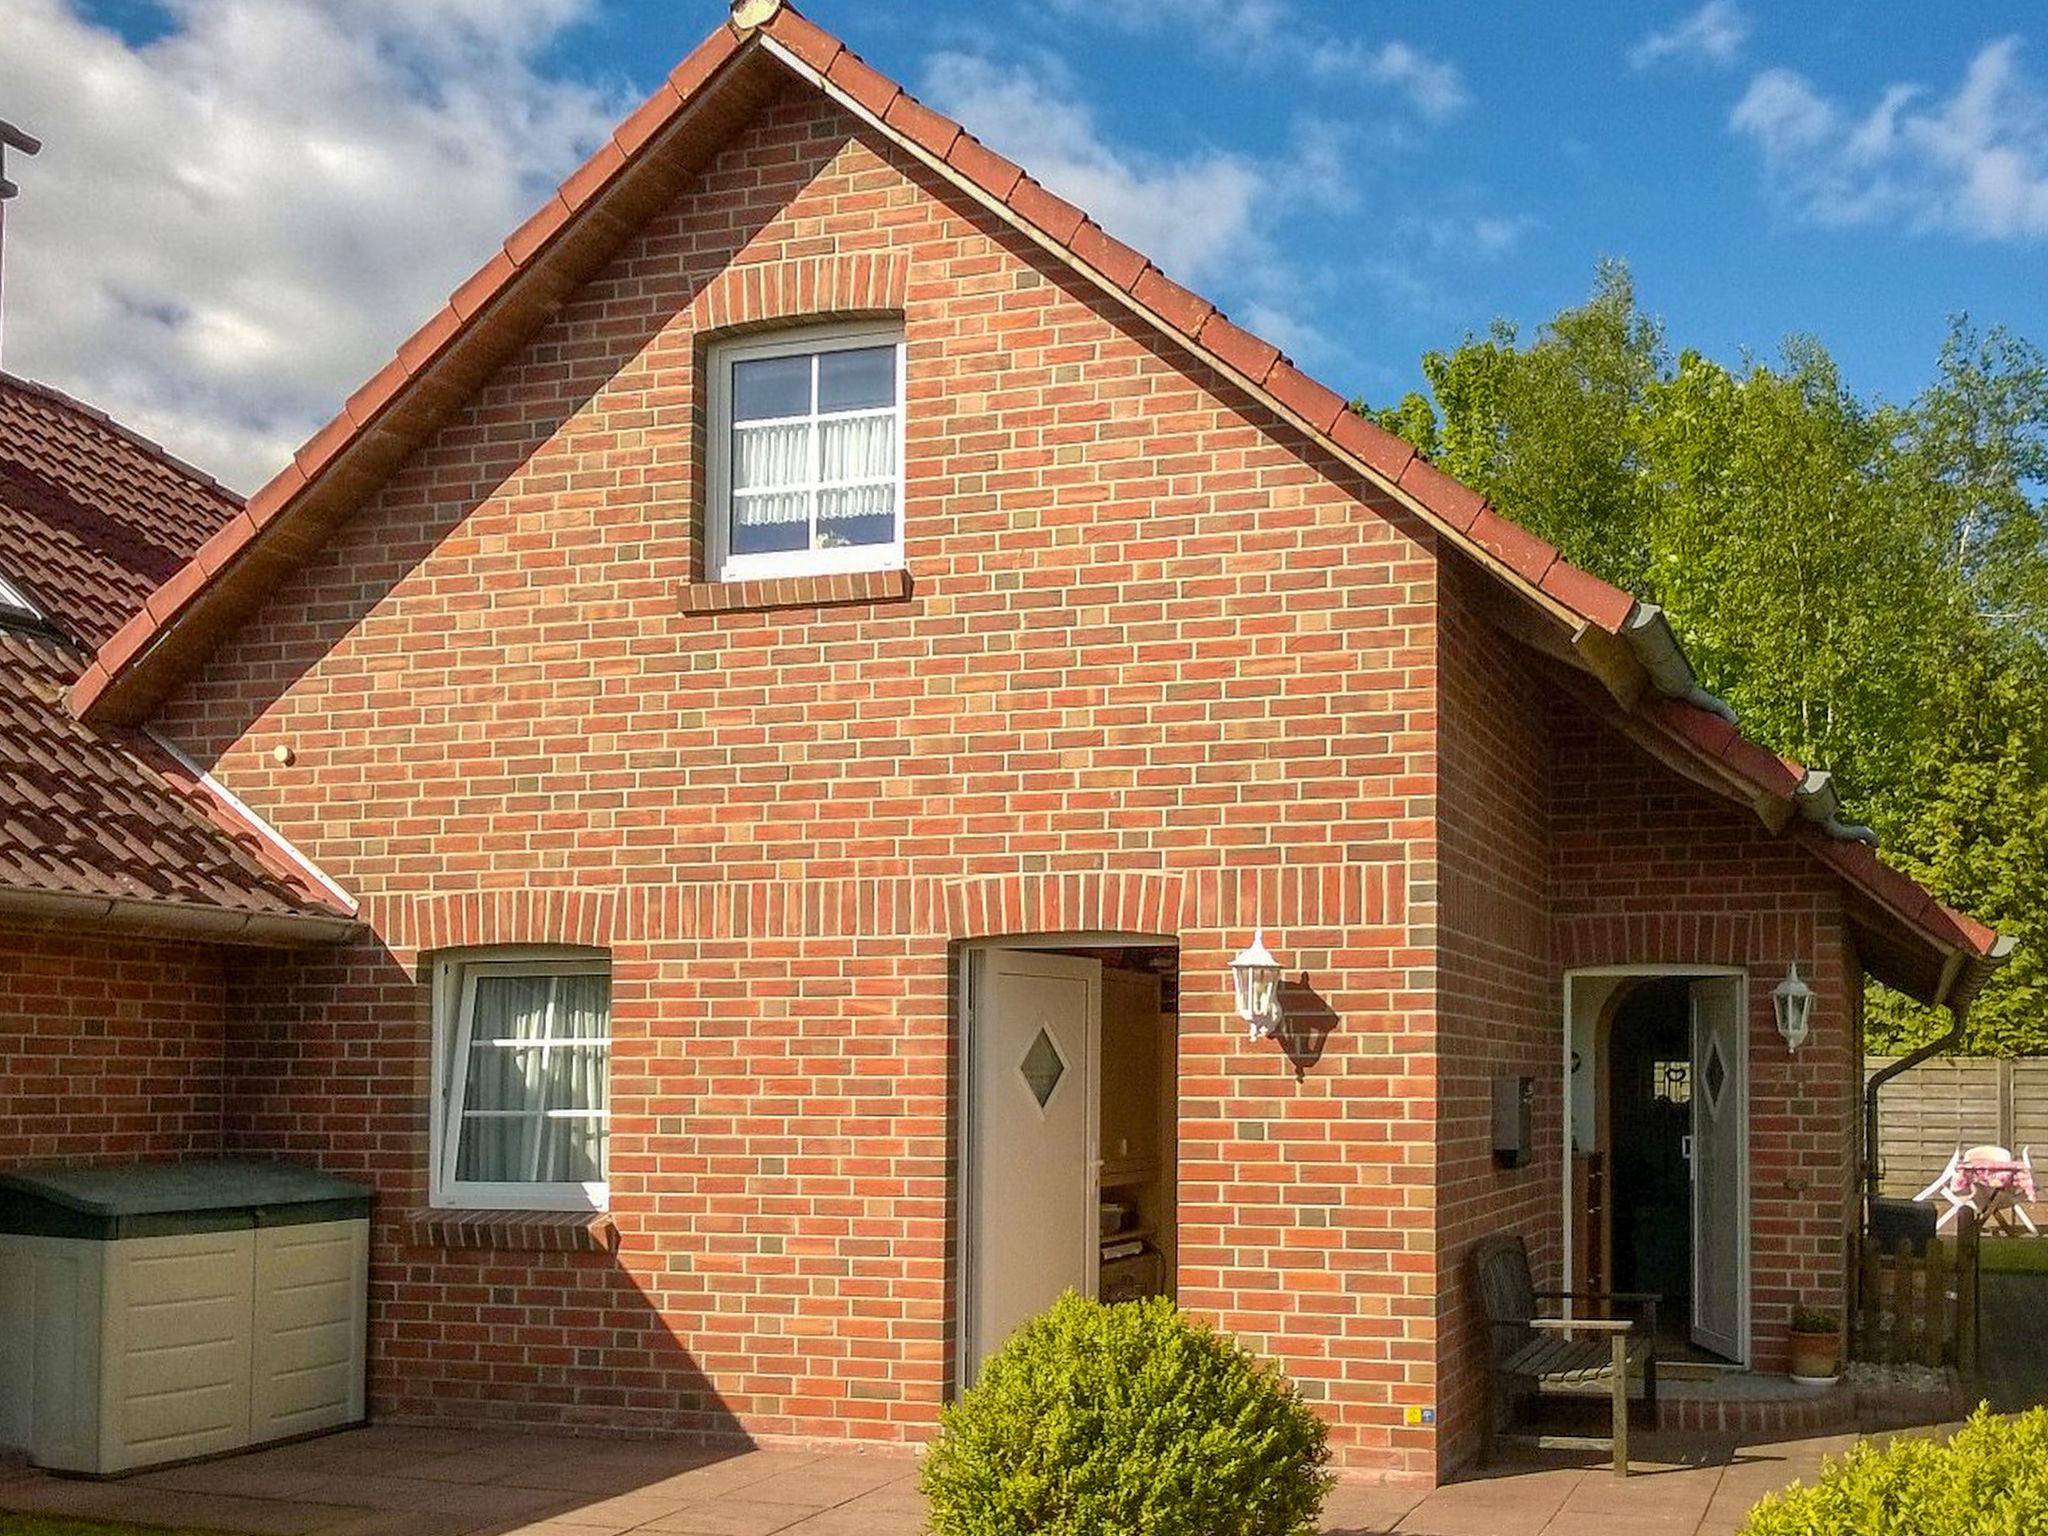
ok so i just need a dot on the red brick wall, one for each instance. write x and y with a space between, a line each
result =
110 1049
1498 989
1152 633
1648 868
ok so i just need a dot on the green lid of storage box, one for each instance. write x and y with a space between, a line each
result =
160 1199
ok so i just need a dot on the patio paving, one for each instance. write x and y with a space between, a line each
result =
393 1480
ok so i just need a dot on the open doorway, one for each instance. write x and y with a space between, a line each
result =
1069 1064
1658 1127
1649 1096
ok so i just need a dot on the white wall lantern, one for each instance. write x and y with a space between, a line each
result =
1793 1002
1256 975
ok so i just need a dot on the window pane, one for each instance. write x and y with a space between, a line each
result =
858 448
576 1077
572 1151
771 386
856 380
863 514
583 1008
767 524
502 1077
769 458
496 1149
511 1007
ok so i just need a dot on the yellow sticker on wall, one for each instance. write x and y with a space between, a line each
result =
1421 1415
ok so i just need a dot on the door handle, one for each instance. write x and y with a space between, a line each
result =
1685 1148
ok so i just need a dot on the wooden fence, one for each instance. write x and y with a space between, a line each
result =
1918 1309
1949 1102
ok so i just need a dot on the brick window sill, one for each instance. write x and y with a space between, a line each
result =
532 1231
796 592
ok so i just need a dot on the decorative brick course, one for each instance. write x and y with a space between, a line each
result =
535 1231
795 592
801 290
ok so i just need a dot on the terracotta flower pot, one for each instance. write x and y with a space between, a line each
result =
1816 1357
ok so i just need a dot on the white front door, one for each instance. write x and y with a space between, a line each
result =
1720 1122
1032 1043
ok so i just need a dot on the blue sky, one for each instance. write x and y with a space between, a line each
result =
1572 138
1362 183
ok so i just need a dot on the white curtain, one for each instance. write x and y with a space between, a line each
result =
534 1099
766 462
859 448
573 1149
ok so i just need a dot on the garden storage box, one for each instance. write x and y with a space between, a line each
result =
170 1310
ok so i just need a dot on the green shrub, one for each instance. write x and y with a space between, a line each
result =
1117 1420
1990 1480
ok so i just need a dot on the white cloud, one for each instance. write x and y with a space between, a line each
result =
1433 88
1468 237
1213 219
1974 164
1192 215
1712 34
1269 35
232 226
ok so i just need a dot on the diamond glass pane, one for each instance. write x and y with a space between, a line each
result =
1716 1076
1042 1068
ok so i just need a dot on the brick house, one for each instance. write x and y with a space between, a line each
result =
806 671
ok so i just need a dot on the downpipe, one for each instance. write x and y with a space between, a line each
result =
1959 1015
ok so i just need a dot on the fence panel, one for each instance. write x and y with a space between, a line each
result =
2029 1099
1949 1102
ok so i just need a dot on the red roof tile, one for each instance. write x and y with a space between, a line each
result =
93 518
95 522
111 814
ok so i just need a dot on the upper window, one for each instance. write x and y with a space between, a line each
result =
806 462
522 1049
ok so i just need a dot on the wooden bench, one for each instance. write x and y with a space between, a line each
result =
1532 1355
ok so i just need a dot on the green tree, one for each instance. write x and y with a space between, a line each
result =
1866 583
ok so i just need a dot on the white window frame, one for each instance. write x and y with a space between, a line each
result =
454 1005
721 564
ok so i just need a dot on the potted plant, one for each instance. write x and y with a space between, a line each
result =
1816 1346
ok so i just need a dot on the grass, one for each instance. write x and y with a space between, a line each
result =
2013 1255
2007 1255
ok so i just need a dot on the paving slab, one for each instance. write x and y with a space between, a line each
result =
395 1480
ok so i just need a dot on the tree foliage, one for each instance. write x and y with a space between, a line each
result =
1866 583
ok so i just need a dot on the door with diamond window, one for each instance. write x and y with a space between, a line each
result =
1034 1025
1720 1120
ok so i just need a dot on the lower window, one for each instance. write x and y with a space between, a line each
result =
522 1048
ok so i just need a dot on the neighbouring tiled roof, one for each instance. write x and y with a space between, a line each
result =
94 813
92 518
1469 523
